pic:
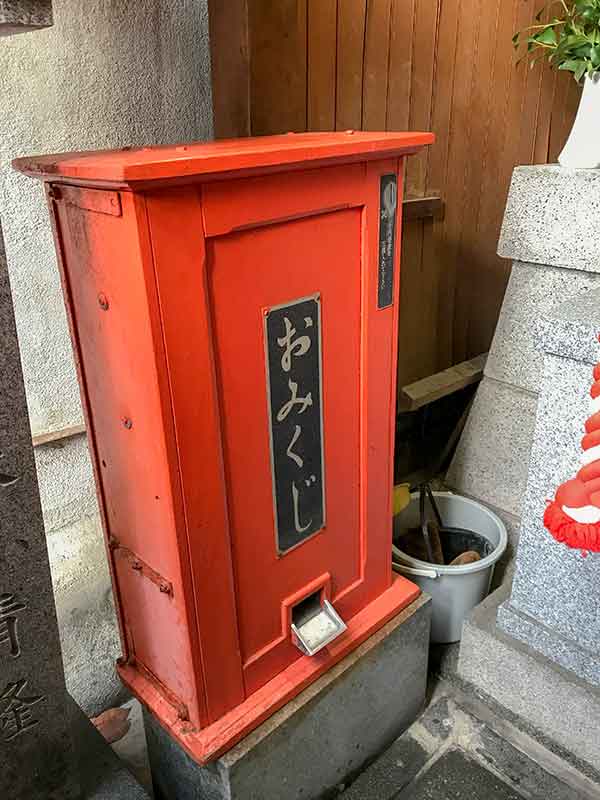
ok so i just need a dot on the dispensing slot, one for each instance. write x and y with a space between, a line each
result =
315 623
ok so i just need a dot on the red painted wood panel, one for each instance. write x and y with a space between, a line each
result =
186 313
117 342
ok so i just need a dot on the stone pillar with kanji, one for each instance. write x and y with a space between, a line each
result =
36 753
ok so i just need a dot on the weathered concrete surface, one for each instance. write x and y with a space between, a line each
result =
556 703
325 734
82 588
67 490
86 616
105 75
132 749
20 16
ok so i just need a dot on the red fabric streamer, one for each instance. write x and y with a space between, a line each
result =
578 535
580 496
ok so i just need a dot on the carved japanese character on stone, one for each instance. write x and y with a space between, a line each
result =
15 710
10 608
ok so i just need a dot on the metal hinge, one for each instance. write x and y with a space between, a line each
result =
99 201
139 565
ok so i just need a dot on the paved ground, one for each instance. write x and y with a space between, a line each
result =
455 775
457 750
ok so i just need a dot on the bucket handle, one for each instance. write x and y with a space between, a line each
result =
420 573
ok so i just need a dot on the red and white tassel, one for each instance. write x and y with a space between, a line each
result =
573 517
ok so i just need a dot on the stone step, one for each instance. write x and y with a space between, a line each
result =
554 706
460 748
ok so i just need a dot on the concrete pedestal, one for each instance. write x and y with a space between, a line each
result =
536 649
550 233
327 733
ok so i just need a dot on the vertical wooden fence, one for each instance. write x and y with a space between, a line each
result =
441 65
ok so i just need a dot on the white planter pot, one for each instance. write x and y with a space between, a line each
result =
582 150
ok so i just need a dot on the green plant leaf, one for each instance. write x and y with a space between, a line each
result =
570 66
570 40
576 40
584 52
547 36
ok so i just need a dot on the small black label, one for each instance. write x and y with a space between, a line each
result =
388 202
293 353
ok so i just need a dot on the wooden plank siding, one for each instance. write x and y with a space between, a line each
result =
441 65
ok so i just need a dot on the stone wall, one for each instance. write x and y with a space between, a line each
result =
535 648
107 74
550 232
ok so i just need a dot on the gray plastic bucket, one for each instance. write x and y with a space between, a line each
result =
453 590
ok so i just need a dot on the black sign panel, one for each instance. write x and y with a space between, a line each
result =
293 352
388 201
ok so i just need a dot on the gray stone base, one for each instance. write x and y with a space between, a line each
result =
559 706
102 775
323 736
549 642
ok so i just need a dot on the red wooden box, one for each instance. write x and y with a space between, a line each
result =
234 314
